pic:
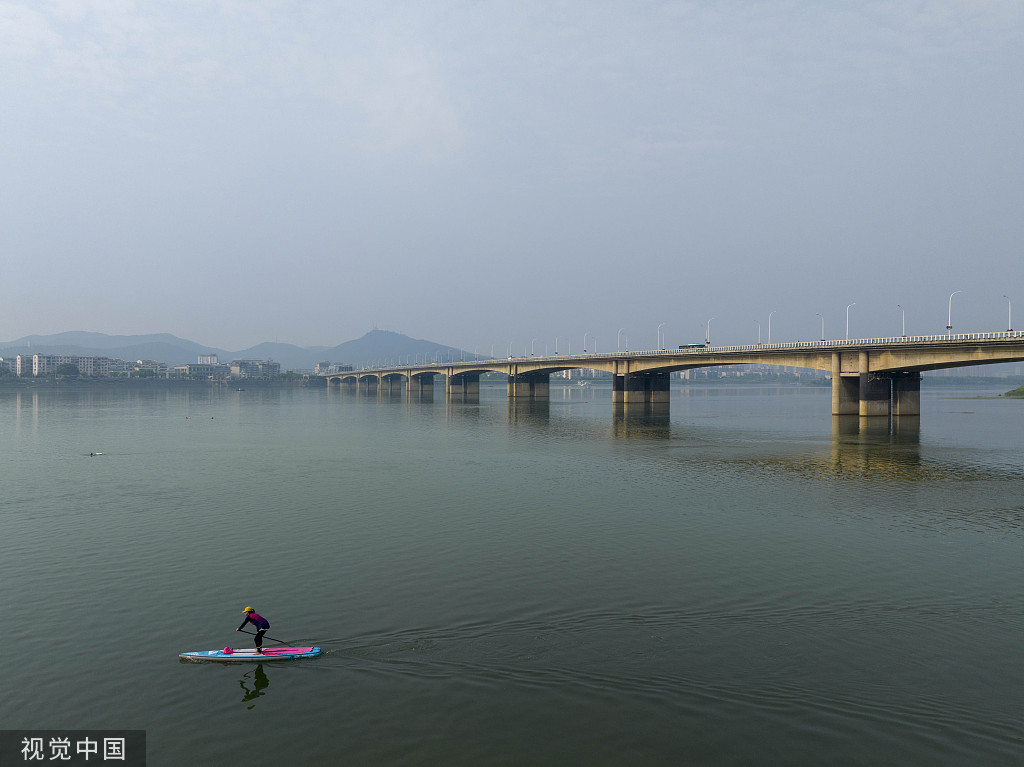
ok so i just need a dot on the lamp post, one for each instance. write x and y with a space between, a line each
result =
848 320
618 338
1009 315
585 341
822 326
904 320
949 317
758 332
707 333
660 344
770 324
510 350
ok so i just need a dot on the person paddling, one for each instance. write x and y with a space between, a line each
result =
261 624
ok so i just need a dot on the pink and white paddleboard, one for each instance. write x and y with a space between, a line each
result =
229 655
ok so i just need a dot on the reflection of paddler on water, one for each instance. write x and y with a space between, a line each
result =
261 624
259 684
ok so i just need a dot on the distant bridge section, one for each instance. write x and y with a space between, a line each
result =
870 377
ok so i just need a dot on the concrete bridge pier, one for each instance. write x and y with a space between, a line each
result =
529 386
464 386
875 394
845 390
906 394
875 390
652 388
420 387
867 394
845 395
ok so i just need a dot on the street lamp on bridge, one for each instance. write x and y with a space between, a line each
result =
585 341
848 319
618 338
770 324
758 332
707 333
904 320
949 317
1009 315
660 344
822 325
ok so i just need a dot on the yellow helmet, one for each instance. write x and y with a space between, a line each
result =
248 610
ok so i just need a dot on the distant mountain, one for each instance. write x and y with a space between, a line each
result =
85 339
384 347
163 347
376 347
290 356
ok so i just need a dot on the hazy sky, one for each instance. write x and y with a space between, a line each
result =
235 171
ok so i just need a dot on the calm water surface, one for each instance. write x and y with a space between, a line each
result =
742 580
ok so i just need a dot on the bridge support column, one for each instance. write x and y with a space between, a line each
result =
420 386
875 394
529 386
845 391
641 387
875 390
464 386
906 394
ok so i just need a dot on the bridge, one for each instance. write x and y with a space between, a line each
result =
870 377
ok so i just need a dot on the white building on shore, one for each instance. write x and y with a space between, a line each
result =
47 364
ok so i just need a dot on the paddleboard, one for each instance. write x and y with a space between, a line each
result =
250 655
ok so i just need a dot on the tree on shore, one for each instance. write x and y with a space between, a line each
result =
67 370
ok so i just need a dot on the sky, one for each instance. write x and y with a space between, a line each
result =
493 175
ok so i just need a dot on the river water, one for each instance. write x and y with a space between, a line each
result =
741 580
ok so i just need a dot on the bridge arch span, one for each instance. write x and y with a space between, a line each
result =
878 376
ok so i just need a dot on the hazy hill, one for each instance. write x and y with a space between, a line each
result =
377 346
383 347
290 356
163 347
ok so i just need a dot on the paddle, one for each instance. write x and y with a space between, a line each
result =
252 634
